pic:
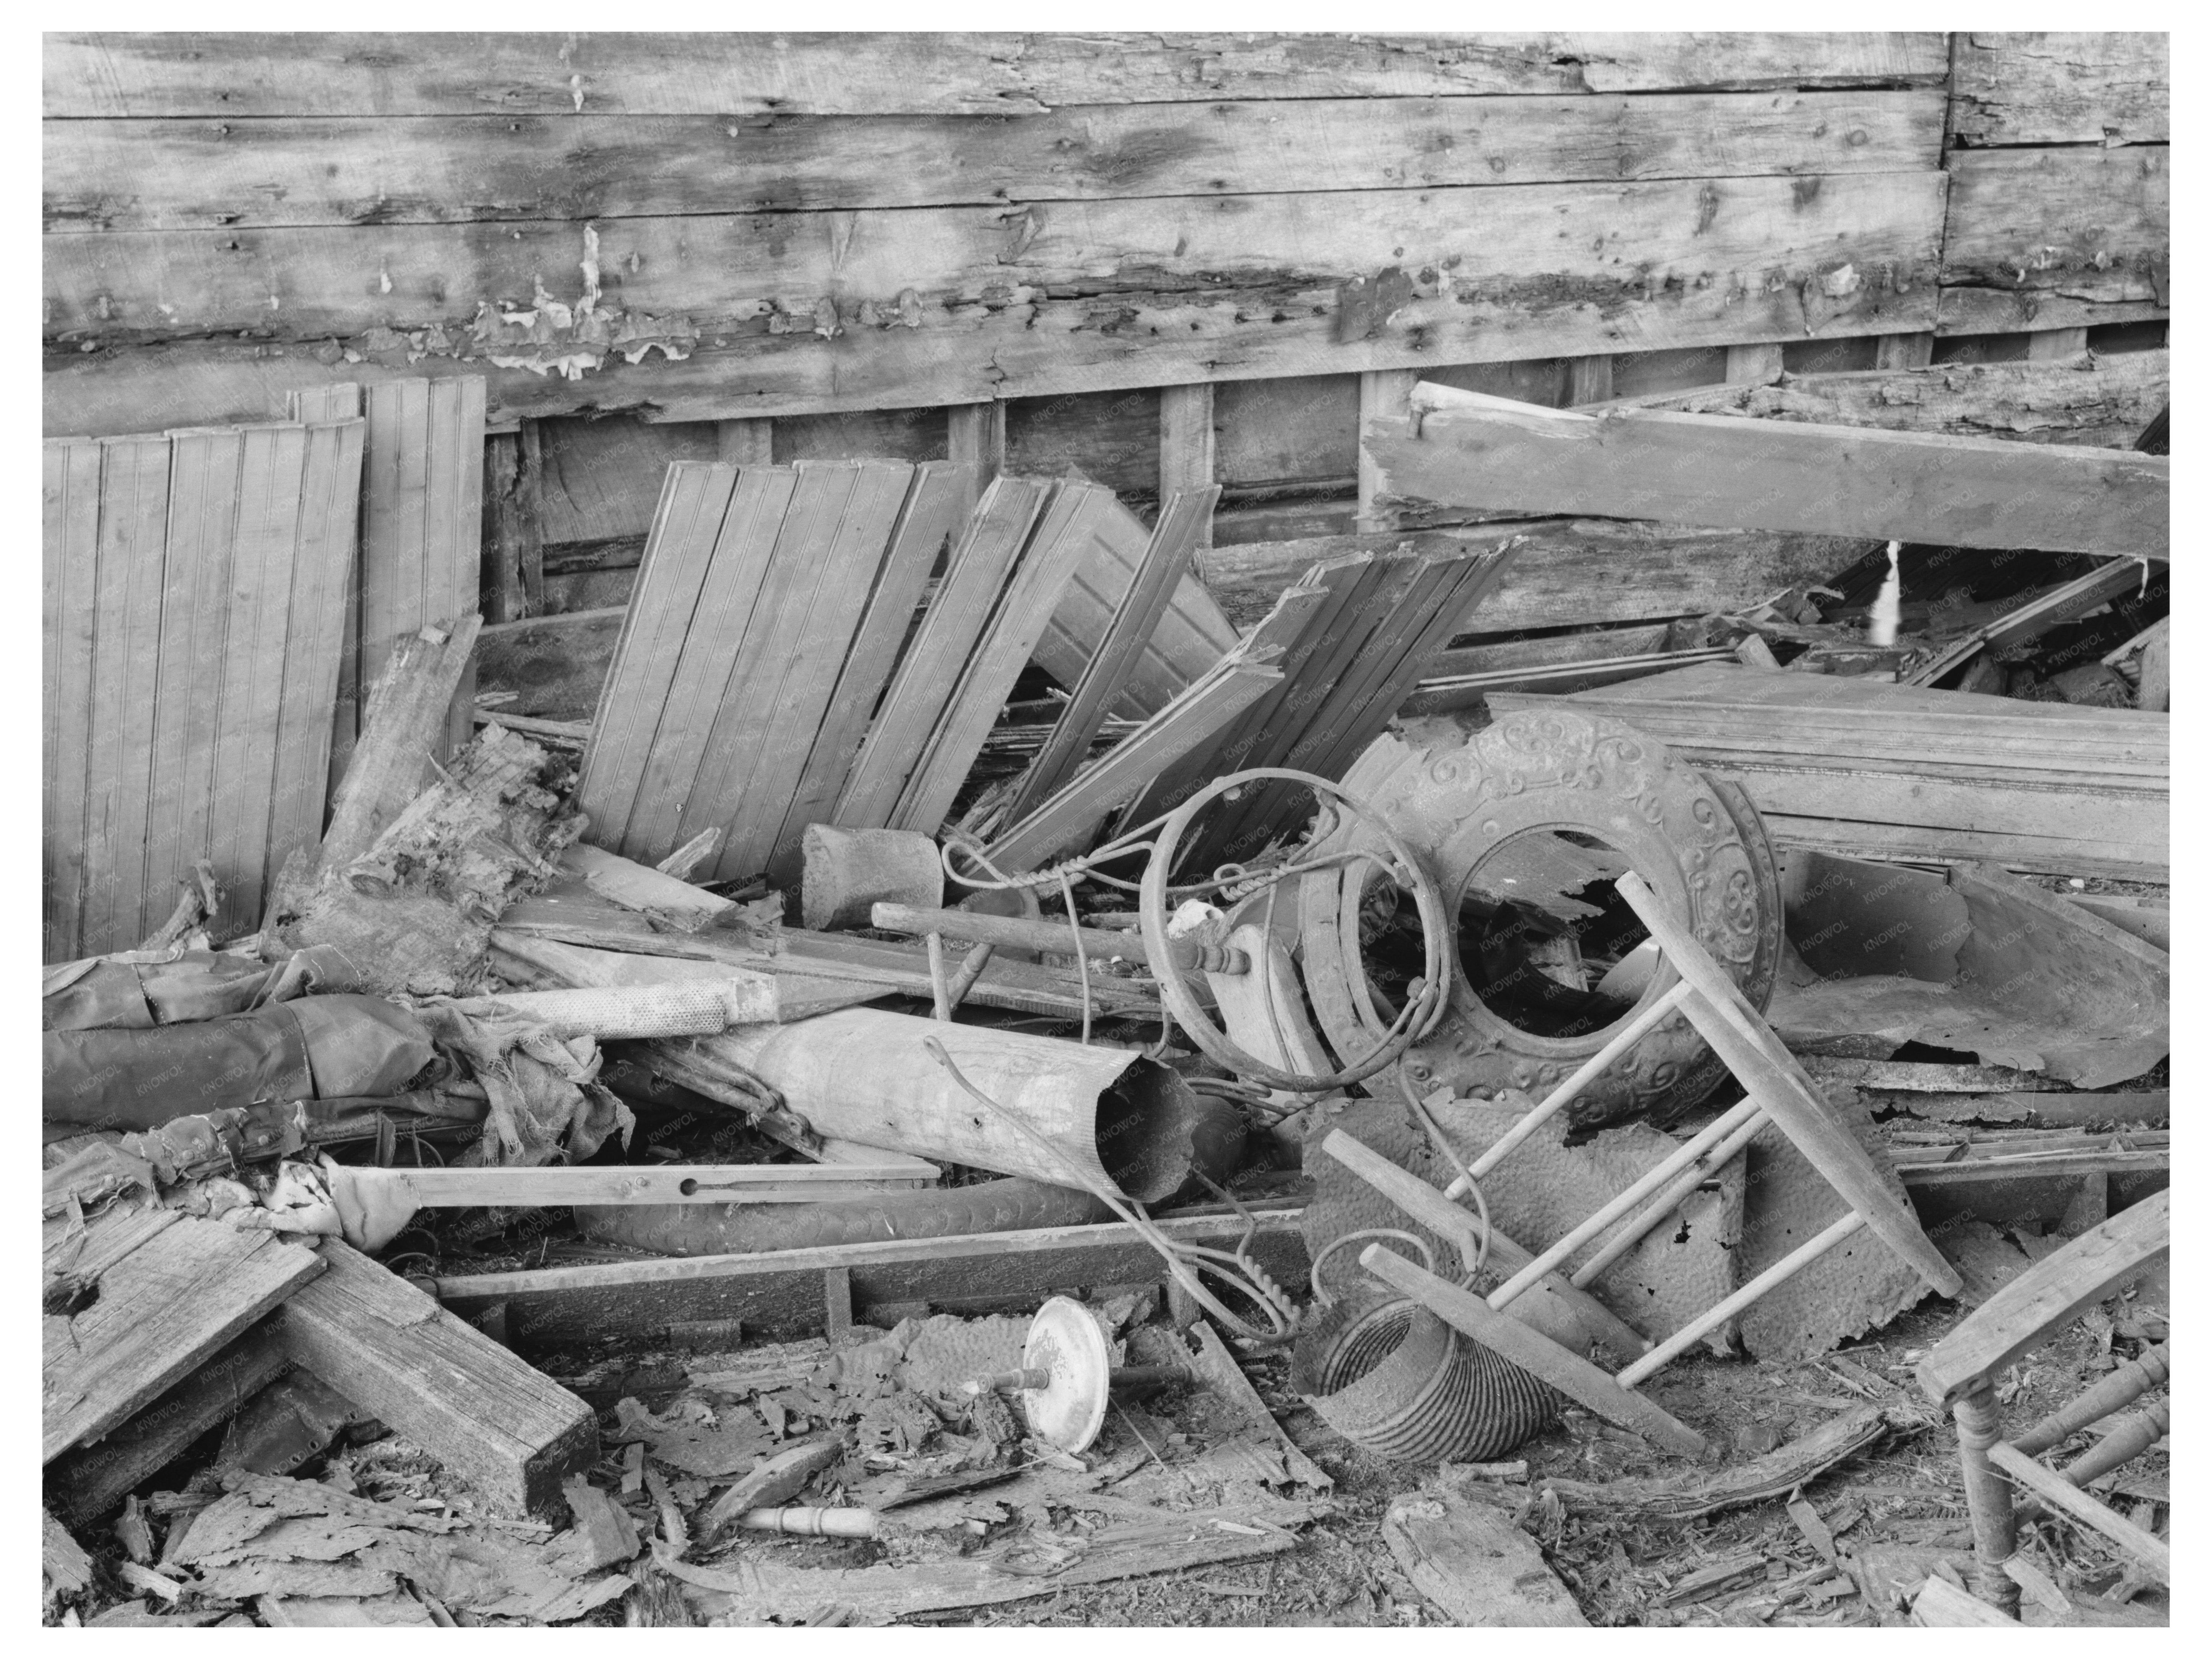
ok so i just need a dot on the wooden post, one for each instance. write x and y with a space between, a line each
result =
2050 344
1589 380
976 436
1904 351
513 574
1385 394
746 443
837 1303
1187 445
1753 365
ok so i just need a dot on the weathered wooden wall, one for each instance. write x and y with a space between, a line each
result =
1158 259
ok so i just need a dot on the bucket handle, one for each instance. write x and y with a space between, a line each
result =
1323 1298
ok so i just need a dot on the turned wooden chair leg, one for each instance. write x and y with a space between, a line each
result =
1988 1496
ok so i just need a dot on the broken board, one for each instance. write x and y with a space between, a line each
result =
168 1298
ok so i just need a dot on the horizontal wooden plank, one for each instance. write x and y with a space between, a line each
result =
2071 237
261 74
2044 854
773 314
1571 571
197 174
1773 475
1979 315
2104 400
2108 87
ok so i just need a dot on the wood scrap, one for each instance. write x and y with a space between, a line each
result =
1470 1559
1465 449
514 1434
759 1588
86 1482
1903 774
162 1300
1762 1478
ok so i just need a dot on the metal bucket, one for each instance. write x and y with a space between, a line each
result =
1396 1380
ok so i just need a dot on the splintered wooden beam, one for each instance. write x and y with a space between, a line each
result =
507 1428
1464 451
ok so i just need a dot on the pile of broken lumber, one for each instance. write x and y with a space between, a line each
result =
760 1056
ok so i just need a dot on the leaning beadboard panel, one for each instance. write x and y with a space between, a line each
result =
195 593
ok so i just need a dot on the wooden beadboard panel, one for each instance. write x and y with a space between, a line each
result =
196 174
958 305
265 73
195 591
2060 89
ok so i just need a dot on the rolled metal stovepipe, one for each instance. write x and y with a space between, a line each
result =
863 1075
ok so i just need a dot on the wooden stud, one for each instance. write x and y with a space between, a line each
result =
975 437
746 443
1589 380
513 584
1904 351
1187 438
837 1304
1758 365
1384 395
2050 344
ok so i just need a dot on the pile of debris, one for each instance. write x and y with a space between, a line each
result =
1002 1104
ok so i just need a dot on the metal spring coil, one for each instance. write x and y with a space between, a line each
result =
1399 1383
